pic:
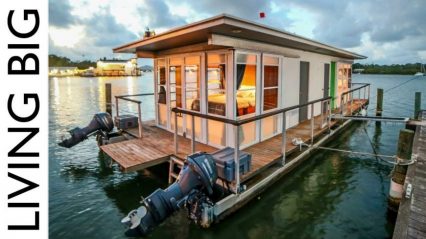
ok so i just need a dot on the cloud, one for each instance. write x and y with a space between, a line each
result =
158 15
107 32
60 13
387 31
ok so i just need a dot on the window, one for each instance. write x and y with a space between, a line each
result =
192 83
175 86
162 92
216 84
270 83
246 84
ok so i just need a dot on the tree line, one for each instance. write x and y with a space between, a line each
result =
57 61
401 69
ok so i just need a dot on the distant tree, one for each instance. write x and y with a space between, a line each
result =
60 61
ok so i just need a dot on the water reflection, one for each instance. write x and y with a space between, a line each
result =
332 195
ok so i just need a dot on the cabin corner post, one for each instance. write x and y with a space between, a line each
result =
236 158
284 138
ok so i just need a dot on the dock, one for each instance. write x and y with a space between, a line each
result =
156 146
411 219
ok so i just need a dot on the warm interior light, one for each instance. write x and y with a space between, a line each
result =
236 31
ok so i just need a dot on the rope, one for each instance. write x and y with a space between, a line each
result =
357 152
396 86
380 156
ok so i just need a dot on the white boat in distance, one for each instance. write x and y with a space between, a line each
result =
422 71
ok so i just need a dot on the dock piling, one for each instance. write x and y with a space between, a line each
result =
405 145
417 103
108 98
379 105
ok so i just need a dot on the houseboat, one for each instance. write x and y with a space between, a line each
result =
226 83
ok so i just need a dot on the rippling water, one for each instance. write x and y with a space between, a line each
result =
332 195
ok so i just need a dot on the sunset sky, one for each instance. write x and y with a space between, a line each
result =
387 31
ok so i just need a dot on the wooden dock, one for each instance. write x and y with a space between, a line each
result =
157 145
411 220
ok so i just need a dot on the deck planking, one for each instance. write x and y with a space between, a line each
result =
157 145
411 219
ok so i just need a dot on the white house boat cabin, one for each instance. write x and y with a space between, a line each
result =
228 82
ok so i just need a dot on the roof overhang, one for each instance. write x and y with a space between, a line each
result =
234 28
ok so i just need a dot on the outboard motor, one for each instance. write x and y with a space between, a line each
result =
101 122
191 190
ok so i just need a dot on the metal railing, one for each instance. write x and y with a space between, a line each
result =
138 102
346 98
237 123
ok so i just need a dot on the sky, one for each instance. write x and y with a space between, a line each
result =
386 31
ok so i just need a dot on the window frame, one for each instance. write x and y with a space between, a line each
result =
279 96
258 75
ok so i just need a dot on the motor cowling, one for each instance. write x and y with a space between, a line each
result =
196 180
101 122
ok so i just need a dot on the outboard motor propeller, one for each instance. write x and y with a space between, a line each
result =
101 122
196 179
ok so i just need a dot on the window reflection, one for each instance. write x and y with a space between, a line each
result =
246 84
216 84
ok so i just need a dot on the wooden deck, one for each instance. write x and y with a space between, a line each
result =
157 145
411 220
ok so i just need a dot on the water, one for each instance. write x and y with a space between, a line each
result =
332 195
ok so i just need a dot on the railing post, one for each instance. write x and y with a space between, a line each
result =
116 107
359 94
140 120
369 93
192 134
322 113
329 116
176 135
351 103
237 158
284 138
312 124
341 104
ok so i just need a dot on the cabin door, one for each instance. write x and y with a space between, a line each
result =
326 84
304 90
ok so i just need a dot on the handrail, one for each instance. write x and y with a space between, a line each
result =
352 90
248 120
237 123
365 86
126 98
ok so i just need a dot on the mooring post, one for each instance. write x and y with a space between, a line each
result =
405 145
108 98
379 105
417 104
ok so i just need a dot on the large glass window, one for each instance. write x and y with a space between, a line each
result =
216 84
246 84
192 83
175 86
270 83
161 92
